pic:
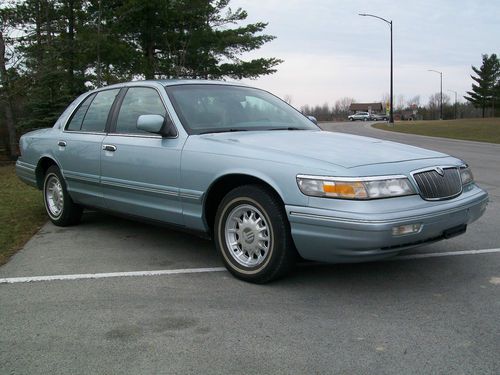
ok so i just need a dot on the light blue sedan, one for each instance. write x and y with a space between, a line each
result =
239 165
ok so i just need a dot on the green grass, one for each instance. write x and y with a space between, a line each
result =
21 212
481 130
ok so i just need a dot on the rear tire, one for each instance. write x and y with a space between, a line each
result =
252 235
60 207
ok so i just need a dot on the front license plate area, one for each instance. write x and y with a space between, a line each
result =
455 231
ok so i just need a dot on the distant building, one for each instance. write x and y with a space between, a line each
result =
366 107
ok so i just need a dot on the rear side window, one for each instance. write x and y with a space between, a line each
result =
92 114
138 101
76 121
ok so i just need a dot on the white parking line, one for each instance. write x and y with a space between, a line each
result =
15 280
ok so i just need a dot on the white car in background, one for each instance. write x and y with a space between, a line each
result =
361 116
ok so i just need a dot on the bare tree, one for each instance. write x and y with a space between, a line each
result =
413 101
434 104
288 98
341 106
401 103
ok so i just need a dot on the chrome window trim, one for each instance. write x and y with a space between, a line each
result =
138 135
83 132
433 168
352 179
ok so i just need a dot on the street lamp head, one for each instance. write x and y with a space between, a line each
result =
374 16
435 71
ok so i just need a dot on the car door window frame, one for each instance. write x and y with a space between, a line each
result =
116 111
108 120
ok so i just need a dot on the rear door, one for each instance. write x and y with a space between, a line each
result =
140 171
79 147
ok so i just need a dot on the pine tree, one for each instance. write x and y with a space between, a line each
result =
483 91
188 38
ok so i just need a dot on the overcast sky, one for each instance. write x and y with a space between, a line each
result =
330 52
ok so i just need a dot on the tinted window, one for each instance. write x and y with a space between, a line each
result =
138 101
97 113
77 119
215 108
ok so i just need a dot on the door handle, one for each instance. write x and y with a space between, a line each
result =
61 144
111 148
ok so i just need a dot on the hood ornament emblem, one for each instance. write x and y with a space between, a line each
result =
440 171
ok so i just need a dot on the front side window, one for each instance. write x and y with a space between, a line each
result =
138 101
219 108
97 114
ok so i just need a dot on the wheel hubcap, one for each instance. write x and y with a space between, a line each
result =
54 196
248 235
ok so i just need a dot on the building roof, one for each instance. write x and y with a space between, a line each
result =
366 106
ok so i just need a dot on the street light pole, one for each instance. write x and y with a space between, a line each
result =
441 101
391 112
455 102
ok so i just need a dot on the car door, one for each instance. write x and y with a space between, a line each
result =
79 147
140 171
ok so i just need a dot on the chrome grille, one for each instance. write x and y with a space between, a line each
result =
434 186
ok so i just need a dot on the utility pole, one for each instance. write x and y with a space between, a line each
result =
441 101
99 79
391 113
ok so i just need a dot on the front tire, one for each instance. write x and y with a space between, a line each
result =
252 235
60 207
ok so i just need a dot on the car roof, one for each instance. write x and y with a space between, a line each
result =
173 82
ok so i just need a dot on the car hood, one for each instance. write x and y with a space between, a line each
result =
344 150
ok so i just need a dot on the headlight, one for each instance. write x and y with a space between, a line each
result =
355 188
466 175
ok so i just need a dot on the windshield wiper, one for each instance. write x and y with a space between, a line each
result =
289 128
223 131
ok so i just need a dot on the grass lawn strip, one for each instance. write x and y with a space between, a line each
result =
21 212
480 130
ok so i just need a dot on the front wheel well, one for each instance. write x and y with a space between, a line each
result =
41 168
224 185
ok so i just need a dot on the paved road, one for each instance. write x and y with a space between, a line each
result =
414 316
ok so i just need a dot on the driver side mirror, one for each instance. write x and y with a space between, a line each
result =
156 124
313 119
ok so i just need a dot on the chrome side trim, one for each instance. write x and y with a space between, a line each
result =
352 179
25 166
140 188
79 177
190 196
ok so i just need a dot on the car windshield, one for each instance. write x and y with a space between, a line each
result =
204 108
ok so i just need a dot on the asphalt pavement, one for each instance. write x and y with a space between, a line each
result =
428 315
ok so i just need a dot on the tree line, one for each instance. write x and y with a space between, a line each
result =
53 50
425 111
483 99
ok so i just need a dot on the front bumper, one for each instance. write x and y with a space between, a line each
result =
341 236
